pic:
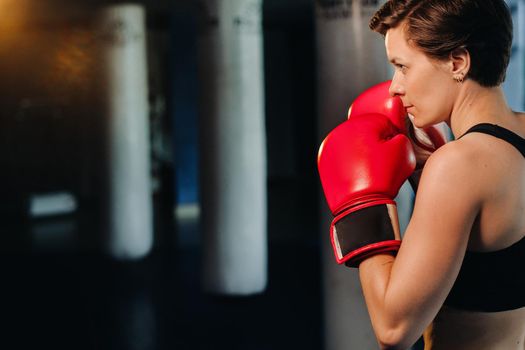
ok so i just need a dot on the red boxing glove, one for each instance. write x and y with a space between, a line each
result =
377 99
362 164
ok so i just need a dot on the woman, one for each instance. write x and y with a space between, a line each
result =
459 274
462 261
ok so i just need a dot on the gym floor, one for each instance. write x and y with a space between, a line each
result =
56 295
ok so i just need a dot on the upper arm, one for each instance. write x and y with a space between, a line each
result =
434 243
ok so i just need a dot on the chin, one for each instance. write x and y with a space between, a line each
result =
422 123
415 121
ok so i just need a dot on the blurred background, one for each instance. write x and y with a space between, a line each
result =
158 162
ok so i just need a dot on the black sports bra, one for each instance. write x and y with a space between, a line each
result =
492 281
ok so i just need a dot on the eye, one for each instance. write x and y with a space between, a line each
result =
401 67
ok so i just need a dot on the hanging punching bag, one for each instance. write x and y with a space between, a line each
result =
350 59
232 147
122 98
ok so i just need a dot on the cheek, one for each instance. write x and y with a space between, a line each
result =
431 108
436 107
431 95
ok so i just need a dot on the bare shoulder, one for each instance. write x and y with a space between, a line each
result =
453 183
455 153
456 161
470 162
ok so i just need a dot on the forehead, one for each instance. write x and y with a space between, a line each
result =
396 43
399 50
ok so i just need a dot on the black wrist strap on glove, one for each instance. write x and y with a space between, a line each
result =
366 231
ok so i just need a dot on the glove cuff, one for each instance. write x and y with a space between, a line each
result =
363 231
360 203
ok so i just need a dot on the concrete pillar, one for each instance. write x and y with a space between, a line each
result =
232 147
122 75
520 18
350 58
514 85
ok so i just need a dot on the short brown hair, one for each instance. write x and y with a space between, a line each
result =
438 27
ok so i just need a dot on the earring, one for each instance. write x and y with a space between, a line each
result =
458 78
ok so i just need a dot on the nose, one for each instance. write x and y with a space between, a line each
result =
395 89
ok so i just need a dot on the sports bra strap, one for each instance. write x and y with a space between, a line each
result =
497 131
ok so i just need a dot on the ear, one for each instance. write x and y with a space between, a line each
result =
459 61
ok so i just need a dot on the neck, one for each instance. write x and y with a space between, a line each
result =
477 104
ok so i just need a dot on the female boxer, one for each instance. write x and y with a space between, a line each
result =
459 274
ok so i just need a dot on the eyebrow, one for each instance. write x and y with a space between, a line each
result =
394 60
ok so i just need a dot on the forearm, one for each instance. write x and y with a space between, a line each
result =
390 324
375 270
